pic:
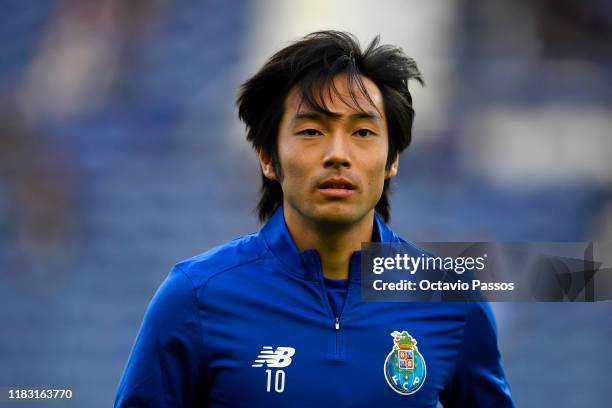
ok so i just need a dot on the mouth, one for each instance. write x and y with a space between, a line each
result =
336 187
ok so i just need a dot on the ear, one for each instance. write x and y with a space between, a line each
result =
266 164
392 172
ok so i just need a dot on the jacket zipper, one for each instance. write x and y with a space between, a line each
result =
331 312
336 319
337 326
339 317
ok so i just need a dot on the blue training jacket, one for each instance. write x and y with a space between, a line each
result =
249 324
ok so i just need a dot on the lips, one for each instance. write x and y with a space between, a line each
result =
336 187
337 183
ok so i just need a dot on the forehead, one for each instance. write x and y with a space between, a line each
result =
341 95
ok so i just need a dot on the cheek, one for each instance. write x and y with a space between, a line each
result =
295 166
376 163
376 172
377 179
292 175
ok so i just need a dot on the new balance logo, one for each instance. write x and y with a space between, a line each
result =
279 358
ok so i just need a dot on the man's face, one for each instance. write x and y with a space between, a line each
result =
333 165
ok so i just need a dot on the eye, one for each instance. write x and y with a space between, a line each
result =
364 133
310 132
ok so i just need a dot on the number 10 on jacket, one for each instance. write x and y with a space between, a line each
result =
279 380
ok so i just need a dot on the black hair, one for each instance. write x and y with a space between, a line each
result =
311 63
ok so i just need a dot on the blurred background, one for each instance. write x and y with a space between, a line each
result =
121 154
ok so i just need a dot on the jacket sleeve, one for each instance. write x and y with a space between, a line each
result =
165 367
478 379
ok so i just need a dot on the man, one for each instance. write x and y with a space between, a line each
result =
275 318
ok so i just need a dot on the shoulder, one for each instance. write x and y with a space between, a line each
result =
480 318
480 336
240 252
388 236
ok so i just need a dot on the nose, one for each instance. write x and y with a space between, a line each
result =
337 153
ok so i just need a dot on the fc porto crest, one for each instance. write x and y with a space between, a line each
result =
405 368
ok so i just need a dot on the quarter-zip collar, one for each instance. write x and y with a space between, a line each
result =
307 264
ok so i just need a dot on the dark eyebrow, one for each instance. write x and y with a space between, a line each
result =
327 115
372 115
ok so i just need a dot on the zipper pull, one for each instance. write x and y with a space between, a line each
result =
337 323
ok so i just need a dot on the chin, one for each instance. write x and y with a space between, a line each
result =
338 215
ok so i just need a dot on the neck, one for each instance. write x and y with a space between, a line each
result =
335 243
